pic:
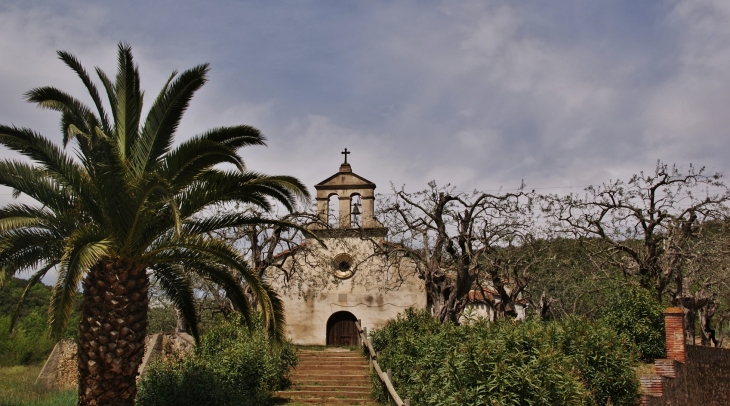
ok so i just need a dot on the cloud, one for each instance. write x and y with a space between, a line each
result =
477 94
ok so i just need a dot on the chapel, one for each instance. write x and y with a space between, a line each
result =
346 277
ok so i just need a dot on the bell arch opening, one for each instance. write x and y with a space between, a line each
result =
355 210
333 210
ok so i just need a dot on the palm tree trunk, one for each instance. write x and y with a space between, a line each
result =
113 327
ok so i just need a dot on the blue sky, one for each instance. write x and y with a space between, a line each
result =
479 94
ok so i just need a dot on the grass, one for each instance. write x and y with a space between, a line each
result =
17 387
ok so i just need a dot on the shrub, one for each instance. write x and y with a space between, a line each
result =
636 315
231 366
29 343
575 362
605 360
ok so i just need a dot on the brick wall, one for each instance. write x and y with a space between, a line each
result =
702 377
674 327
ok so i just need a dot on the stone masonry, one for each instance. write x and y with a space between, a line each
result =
61 370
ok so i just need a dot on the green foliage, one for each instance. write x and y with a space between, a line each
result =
604 359
576 362
161 320
231 366
38 296
569 276
635 314
29 341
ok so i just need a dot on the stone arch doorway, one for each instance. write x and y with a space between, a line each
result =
341 329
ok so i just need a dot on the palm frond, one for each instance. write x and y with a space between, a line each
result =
152 192
110 93
213 259
217 187
235 136
76 66
22 248
38 148
276 320
164 117
78 113
85 247
179 289
193 158
6 274
216 222
15 216
35 183
128 102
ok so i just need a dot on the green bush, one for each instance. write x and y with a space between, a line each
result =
29 343
231 366
605 360
573 362
635 314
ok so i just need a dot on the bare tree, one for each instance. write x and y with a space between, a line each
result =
269 244
705 282
462 241
646 227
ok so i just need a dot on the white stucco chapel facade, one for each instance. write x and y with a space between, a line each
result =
348 278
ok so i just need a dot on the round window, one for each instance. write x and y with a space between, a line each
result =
343 266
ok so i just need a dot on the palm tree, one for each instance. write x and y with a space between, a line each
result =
128 207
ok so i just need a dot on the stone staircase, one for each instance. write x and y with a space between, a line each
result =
329 377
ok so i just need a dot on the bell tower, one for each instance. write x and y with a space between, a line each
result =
327 287
349 189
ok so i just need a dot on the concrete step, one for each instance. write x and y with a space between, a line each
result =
330 382
323 354
296 393
330 388
332 368
332 401
330 377
333 360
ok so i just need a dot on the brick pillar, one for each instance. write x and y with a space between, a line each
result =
674 325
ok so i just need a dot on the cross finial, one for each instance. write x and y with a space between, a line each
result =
345 153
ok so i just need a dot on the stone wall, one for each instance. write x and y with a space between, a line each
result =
695 375
61 368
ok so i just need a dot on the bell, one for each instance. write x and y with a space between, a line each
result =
355 209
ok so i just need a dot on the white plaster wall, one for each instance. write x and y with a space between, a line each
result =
376 293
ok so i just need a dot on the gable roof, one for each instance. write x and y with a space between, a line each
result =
351 179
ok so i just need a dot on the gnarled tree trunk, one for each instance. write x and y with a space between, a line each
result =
706 330
113 327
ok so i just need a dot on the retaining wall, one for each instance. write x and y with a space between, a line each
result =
61 368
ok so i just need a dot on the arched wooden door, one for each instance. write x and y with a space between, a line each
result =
341 329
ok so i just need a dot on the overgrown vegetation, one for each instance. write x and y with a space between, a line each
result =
232 366
573 361
17 387
638 317
29 342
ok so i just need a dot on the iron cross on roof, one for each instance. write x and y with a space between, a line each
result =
345 153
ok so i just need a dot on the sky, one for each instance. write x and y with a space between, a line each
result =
479 94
